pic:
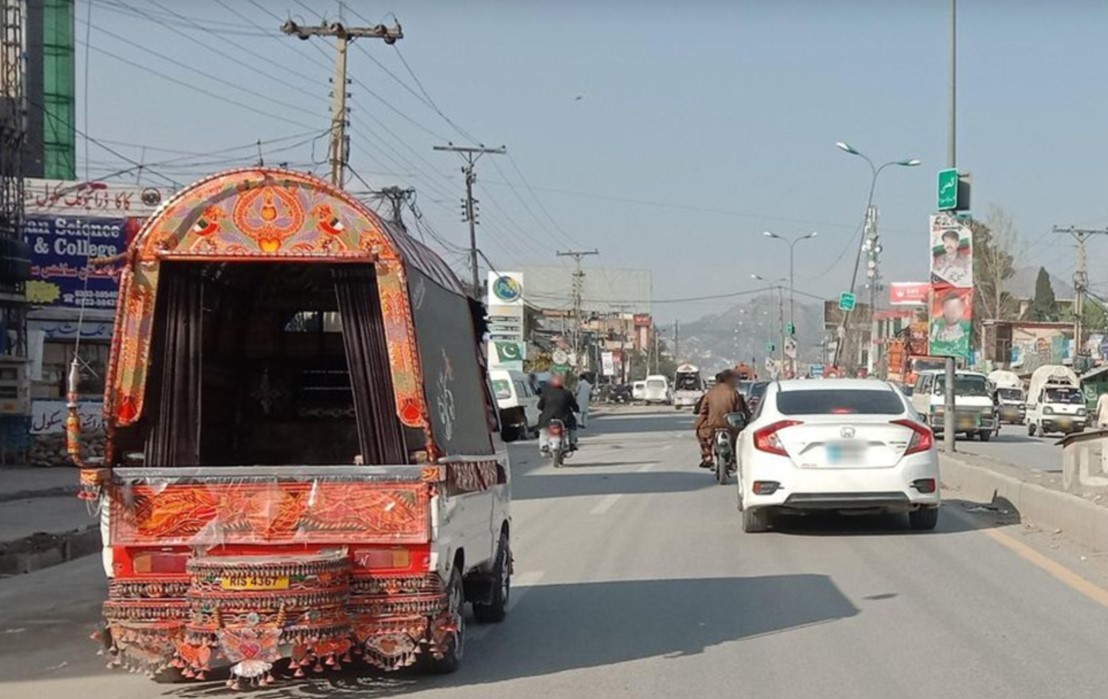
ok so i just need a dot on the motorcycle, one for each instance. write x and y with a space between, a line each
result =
558 442
723 447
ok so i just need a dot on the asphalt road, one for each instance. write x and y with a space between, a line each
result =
633 579
1015 447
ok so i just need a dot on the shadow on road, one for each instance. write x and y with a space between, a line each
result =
556 630
956 516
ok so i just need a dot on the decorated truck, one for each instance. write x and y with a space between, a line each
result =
303 464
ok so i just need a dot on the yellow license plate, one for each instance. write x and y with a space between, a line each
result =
255 582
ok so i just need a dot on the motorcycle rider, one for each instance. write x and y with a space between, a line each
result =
718 402
557 403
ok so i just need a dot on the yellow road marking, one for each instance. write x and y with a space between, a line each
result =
1067 577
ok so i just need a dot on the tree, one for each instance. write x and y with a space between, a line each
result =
1043 307
996 248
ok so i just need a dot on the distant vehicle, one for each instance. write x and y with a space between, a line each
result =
973 406
638 391
518 404
620 393
657 390
688 386
1055 402
1008 389
755 394
849 446
745 372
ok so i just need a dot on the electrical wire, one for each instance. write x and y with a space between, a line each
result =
238 87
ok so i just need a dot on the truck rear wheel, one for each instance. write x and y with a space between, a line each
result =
501 579
452 655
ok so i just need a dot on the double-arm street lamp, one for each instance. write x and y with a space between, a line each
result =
870 218
791 242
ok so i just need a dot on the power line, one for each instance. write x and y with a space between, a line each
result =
205 92
215 78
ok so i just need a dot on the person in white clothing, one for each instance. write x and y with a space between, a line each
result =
1102 410
584 390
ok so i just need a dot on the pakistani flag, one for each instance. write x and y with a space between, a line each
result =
509 352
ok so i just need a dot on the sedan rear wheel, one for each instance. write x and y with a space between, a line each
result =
755 520
924 519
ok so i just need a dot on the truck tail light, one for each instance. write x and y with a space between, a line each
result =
766 439
159 562
923 439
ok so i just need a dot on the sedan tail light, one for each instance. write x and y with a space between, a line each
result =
922 436
766 438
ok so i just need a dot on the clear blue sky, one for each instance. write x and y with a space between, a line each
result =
698 125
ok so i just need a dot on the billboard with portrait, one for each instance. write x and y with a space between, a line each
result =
951 321
951 252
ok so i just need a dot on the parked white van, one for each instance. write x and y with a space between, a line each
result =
657 390
638 390
518 404
974 413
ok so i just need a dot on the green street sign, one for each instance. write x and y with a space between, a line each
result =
846 301
770 347
790 329
948 189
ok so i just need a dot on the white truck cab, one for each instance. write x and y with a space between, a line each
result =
1055 402
974 413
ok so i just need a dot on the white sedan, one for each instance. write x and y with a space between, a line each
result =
849 445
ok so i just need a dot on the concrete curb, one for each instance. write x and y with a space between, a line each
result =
43 550
1080 519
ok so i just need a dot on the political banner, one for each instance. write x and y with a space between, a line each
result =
951 326
951 252
62 248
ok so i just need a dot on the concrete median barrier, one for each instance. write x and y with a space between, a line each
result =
1081 519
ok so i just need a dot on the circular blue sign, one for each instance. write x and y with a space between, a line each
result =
507 289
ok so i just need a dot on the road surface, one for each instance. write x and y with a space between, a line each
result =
634 580
1015 447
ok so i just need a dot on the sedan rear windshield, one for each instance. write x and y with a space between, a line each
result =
839 402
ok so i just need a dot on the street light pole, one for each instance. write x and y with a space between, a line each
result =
778 285
792 265
875 171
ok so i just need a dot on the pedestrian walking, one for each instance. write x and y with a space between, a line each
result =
584 390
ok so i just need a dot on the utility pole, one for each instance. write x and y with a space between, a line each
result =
624 365
396 198
676 340
949 405
1080 279
578 286
343 35
470 155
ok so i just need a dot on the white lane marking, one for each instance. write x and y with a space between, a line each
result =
604 505
521 585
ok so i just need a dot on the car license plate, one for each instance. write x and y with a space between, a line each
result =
255 582
842 453
966 423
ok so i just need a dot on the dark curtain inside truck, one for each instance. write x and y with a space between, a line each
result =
260 363
363 332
